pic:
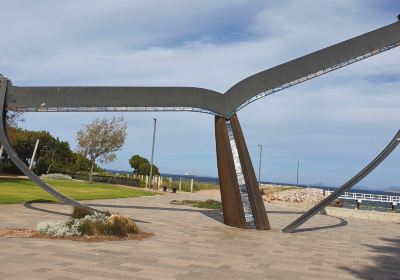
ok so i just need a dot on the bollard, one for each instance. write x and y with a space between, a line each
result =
180 184
394 206
359 201
34 154
191 186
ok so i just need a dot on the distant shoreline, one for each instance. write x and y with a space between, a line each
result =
394 190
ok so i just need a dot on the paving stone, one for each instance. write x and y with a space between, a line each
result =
192 243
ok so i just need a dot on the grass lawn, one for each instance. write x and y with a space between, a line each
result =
13 190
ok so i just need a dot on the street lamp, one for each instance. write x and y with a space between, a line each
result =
259 165
298 167
152 153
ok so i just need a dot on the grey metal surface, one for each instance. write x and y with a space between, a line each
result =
347 186
116 98
325 60
150 183
19 163
204 100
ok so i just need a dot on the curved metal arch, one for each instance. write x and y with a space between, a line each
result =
205 100
347 186
119 98
312 65
19 163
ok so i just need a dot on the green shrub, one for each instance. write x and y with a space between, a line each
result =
120 226
93 227
80 212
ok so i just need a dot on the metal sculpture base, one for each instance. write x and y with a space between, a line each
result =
242 204
19 163
347 186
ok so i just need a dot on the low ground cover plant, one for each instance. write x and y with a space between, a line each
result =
56 176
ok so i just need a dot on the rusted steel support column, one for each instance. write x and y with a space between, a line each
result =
230 195
241 199
253 190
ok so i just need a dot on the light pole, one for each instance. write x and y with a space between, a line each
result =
34 154
152 154
298 167
259 165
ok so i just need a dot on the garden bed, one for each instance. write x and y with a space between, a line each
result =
31 233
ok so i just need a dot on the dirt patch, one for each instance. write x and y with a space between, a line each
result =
209 192
305 196
30 233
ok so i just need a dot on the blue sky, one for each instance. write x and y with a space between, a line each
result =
333 125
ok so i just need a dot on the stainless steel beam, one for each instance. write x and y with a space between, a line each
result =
314 64
19 163
128 98
347 186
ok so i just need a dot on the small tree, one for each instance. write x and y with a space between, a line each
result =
142 166
58 156
100 140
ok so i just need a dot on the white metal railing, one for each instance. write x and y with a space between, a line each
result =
368 197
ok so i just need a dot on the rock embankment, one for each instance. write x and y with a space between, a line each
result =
304 196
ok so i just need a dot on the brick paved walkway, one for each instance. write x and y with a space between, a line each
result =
192 243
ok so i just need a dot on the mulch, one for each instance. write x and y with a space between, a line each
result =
30 233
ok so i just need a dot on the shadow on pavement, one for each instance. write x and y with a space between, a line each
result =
29 205
383 264
213 214
342 223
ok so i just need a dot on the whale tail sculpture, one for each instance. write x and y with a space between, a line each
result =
240 195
